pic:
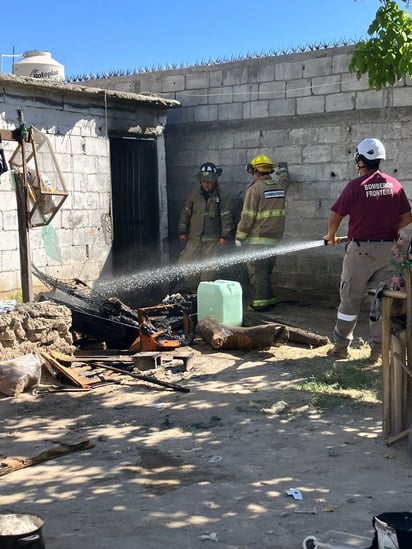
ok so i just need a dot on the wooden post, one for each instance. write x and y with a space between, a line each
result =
398 383
408 283
23 223
386 365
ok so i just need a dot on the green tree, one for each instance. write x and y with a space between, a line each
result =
386 56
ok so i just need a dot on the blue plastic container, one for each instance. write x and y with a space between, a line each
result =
221 299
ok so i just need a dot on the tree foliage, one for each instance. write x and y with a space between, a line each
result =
386 56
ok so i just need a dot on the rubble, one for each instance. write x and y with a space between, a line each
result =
35 326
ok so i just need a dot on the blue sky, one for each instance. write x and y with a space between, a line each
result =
90 37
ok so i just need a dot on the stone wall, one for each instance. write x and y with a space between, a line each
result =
306 109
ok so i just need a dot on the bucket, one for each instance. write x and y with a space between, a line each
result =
393 531
221 299
18 530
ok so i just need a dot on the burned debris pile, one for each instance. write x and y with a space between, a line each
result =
115 325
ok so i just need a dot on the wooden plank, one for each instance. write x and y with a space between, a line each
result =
67 372
397 438
386 365
10 135
100 357
397 385
11 464
408 283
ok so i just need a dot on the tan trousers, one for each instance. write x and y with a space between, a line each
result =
196 251
365 265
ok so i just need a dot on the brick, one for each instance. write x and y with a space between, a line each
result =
216 78
317 67
340 62
316 153
148 83
9 281
331 134
10 223
259 109
245 92
175 82
340 102
236 75
282 107
310 105
402 97
349 82
220 95
181 116
371 99
205 113
274 138
326 85
287 71
246 139
298 88
197 80
303 136
230 111
266 73
194 98
272 90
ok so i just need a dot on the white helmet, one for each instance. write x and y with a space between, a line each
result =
371 149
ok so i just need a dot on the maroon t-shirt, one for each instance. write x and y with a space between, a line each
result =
374 204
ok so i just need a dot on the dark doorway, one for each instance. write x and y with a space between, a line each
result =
135 205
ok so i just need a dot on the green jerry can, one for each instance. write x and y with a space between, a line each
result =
221 299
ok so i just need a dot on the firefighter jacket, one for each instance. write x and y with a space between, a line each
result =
206 217
262 220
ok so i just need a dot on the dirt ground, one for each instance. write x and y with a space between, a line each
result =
210 467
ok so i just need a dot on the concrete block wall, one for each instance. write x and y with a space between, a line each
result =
78 126
306 109
83 159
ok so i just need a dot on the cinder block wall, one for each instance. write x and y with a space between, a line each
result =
77 126
306 109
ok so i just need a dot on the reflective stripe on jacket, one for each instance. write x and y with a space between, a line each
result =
264 210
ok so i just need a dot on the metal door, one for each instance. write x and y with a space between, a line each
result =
135 204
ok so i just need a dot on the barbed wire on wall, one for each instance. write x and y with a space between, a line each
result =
115 73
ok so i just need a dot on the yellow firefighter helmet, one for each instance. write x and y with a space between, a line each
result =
261 163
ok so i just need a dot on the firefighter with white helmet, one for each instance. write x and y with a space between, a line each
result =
206 223
378 209
262 223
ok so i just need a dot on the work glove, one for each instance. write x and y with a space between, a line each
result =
182 237
281 168
222 242
238 243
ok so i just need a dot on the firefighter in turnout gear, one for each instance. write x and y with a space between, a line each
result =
262 223
205 223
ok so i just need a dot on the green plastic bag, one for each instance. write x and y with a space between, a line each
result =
51 243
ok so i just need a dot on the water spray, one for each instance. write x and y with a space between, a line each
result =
147 278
